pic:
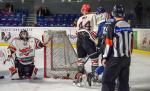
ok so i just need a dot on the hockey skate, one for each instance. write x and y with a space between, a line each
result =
93 79
98 72
89 79
83 79
78 79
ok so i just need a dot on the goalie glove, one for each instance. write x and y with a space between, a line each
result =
7 53
35 70
46 38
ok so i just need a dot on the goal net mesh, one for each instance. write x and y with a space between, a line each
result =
59 56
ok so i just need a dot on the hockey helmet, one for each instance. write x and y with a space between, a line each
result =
100 10
85 8
118 10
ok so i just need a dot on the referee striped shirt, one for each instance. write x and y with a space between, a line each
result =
119 39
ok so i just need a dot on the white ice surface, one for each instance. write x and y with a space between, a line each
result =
139 77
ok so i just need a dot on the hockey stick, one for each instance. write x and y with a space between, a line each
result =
89 57
4 54
98 51
88 75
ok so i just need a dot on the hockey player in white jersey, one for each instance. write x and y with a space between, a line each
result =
24 49
86 34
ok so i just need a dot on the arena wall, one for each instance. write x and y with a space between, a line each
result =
141 36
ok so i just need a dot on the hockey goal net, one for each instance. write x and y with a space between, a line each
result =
59 56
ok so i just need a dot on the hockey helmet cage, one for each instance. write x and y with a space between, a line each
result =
100 10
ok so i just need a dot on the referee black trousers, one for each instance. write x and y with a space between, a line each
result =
116 67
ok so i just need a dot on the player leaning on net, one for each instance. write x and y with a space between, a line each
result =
117 53
24 49
86 34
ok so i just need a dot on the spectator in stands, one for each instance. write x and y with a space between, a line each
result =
43 11
8 9
35 24
147 15
75 23
40 11
139 13
46 11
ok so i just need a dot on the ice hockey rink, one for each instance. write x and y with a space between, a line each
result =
139 77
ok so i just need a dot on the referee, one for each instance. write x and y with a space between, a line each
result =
117 53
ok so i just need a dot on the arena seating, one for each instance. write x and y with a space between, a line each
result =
57 20
16 18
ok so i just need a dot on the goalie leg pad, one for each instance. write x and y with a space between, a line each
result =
25 71
14 72
34 72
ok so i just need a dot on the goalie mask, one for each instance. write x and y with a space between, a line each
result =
24 35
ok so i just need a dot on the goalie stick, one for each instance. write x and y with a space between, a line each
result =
6 56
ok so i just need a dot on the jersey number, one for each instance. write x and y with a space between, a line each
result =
86 26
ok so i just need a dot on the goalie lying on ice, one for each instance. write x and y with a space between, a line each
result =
23 47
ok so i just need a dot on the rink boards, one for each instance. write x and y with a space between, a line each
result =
141 36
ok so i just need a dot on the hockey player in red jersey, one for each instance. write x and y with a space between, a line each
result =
86 34
24 49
